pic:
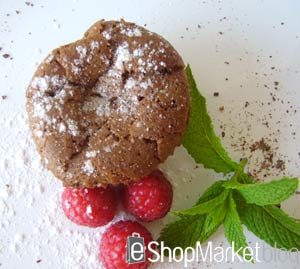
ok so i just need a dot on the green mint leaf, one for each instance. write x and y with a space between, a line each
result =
185 232
284 219
216 217
244 178
200 139
210 227
269 193
271 224
234 231
205 207
212 192
240 172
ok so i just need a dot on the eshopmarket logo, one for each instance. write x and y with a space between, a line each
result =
135 249
136 252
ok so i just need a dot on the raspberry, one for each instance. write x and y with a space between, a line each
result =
89 207
149 198
112 251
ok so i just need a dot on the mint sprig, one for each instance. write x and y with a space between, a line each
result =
232 202
272 225
270 193
206 207
200 139
233 230
187 230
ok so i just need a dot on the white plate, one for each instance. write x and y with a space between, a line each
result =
253 36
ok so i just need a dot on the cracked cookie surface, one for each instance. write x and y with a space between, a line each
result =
110 107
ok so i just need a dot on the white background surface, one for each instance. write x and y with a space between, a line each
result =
32 224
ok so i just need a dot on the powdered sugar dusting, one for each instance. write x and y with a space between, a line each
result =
38 133
106 35
146 84
91 154
94 44
138 52
89 211
107 149
62 127
41 83
75 69
127 99
41 109
88 167
81 51
130 82
128 105
97 104
72 127
44 103
48 82
131 32
122 55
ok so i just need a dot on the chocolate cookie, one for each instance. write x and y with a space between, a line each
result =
108 108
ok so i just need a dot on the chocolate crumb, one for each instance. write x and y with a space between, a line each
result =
18 11
29 4
5 55
226 62
223 134
3 97
38 261
276 83
261 145
216 94
264 160
280 165
226 79
247 104
221 33
221 108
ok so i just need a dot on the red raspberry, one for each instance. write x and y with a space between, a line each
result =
89 207
112 251
149 198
